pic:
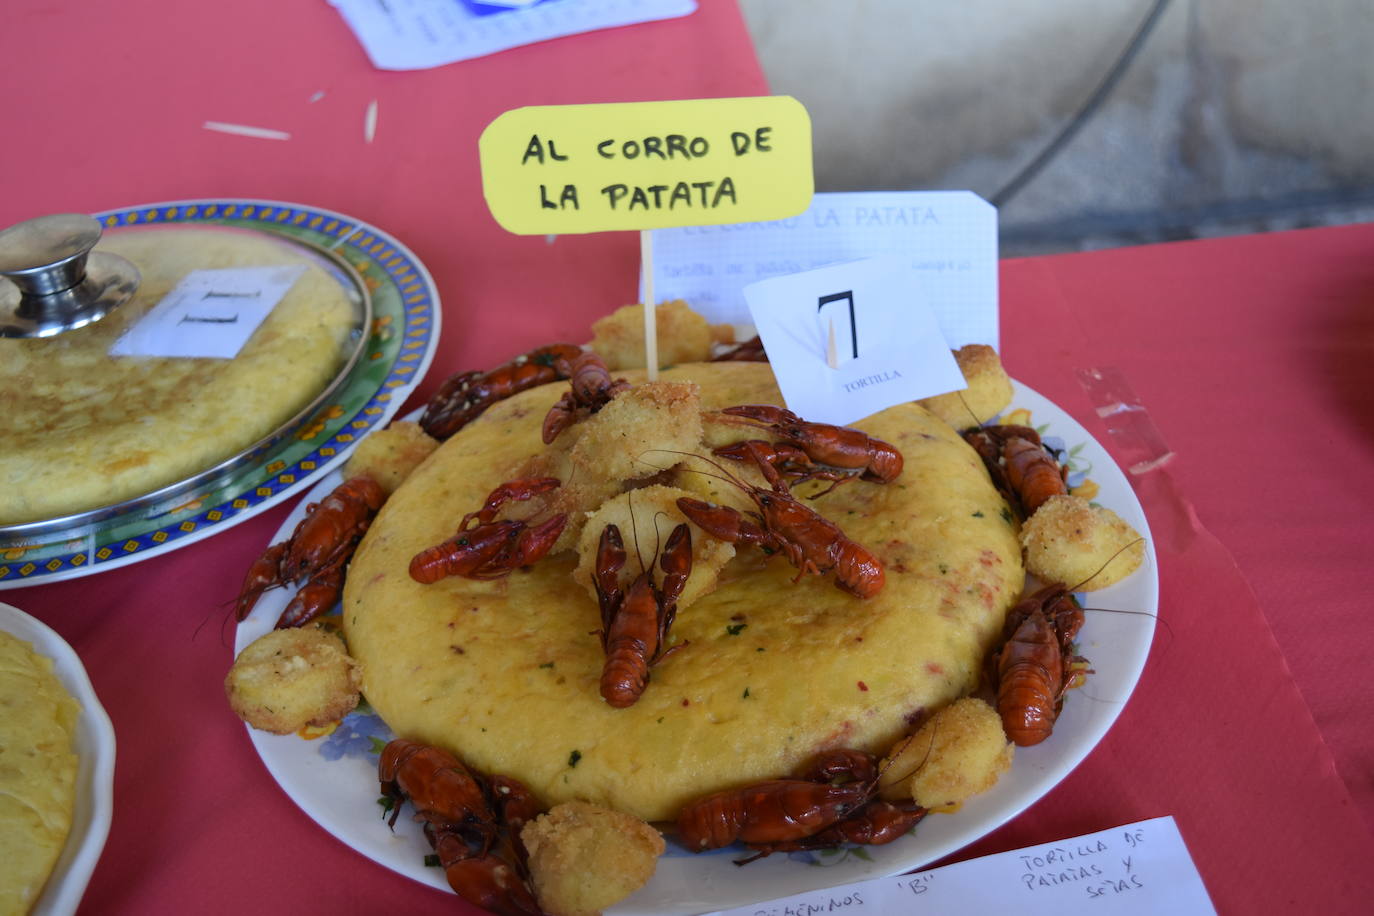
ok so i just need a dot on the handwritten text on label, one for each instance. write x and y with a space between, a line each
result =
1136 870
948 237
561 169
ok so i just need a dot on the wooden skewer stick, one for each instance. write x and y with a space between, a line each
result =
832 353
646 260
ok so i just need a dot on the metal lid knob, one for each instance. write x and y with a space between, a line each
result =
56 283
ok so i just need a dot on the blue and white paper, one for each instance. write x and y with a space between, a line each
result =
495 7
418 34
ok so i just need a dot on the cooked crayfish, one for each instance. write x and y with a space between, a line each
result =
472 822
810 542
1036 666
1022 469
592 388
831 803
635 622
751 351
446 795
491 549
807 451
316 553
463 397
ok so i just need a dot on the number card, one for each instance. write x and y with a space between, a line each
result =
850 340
566 169
210 314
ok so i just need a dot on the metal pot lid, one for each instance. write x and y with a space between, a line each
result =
56 283
397 350
61 290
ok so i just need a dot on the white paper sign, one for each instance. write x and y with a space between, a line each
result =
1140 869
416 34
209 314
887 347
948 237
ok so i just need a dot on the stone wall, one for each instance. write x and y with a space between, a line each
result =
1234 115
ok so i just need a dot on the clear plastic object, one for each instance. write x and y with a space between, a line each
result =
1126 419
1144 454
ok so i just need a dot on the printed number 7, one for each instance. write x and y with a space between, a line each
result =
846 296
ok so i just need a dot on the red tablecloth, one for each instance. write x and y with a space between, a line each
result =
1251 356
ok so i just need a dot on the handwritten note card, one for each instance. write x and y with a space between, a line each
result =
416 34
849 340
1140 869
948 237
209 314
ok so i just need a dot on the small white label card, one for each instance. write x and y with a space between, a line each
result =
850 340
1140 869
210 313
948 237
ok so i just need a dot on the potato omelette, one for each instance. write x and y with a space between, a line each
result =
769 668
81 429
38 769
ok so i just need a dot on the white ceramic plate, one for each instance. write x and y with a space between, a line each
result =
95 747
334 779
395 356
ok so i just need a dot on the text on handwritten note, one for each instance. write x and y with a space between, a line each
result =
560 169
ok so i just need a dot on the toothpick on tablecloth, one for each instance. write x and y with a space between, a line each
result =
370 122
246 130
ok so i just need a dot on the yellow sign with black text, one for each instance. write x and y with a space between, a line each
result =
564 169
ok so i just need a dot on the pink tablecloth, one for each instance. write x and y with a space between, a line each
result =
1255 358
1250 355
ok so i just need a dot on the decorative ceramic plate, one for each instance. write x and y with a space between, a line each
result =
95 748
397 352
333 778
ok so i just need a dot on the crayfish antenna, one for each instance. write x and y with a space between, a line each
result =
762 853
1105 563
233 615
724 474
901 749
658 532
976 421
634 530
223 620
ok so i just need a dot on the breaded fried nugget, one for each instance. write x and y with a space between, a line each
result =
650 514
584 858
988 392
389 455
634 437
637 434
959 752
1071 541
287 679
723 335
683 336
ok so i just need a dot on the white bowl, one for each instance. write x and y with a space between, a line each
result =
95 749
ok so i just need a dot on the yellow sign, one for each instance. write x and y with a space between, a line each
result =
560 169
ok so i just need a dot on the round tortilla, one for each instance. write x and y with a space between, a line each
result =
82 429
505 673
